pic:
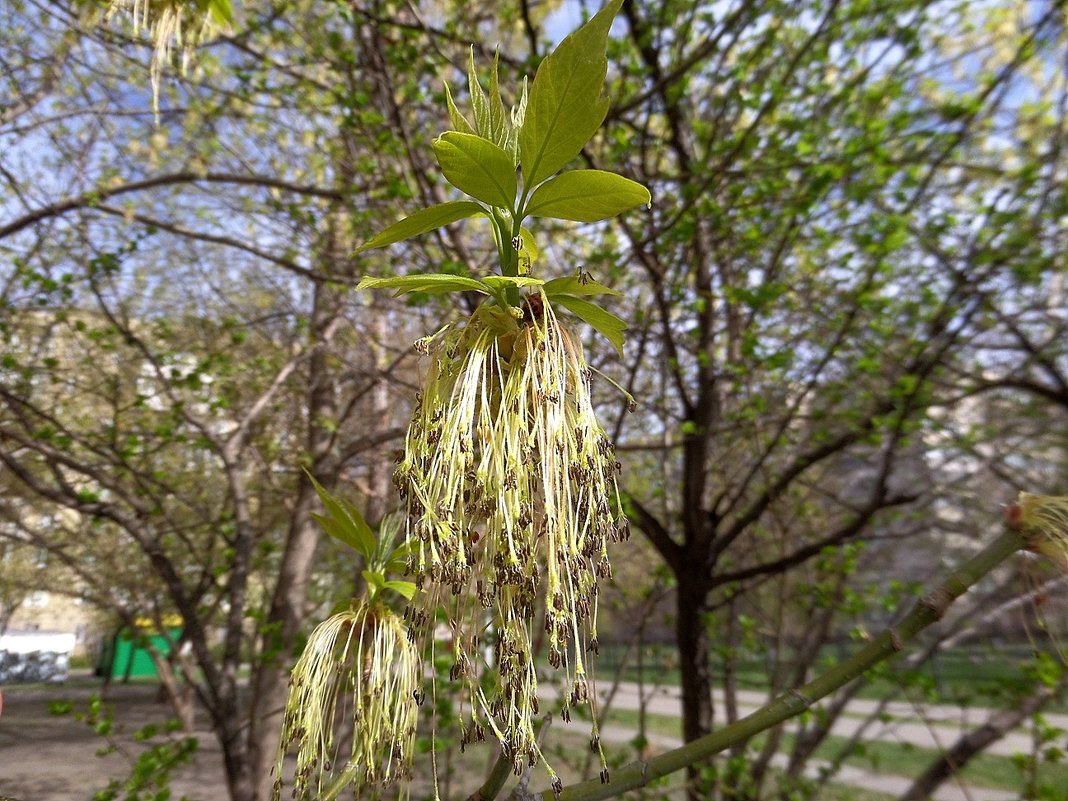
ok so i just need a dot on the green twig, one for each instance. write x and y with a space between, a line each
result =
498 775
343 780
926 611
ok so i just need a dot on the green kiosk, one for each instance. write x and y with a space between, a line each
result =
125 654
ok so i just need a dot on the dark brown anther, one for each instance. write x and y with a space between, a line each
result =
604 568
558 786
605 779
533 308
595 744
555 658
581 691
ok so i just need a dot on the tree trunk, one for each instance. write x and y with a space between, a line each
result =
290 596
692 636
173 689
240 781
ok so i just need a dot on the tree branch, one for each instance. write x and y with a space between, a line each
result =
89 199
973 743
655 531
926 611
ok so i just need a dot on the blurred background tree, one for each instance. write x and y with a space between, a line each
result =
847 316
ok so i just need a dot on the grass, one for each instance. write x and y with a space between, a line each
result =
985 770
975 676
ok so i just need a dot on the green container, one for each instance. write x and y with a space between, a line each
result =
125 655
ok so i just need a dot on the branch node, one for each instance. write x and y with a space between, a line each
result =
796 694
937 602
895 640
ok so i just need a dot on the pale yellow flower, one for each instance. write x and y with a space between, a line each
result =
1043 520
510 486
360 663
170 23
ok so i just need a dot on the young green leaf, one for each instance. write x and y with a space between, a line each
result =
501 281
577 285
497 131
405 588
432 283
479 102
478 167
604 322
566 106
344 522
528 251
459 121
586 196
397 561
221 12
375 580
519 113
422 221
339 531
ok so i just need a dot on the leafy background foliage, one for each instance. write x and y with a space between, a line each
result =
845 307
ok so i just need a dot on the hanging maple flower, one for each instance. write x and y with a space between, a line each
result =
1043 520
510 487
170 23
360 663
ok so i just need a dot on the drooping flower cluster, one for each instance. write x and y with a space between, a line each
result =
510 487
360 664
171 23
1044 521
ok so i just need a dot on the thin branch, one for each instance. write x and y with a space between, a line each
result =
973 743
227 241
655 531
498 775
91 198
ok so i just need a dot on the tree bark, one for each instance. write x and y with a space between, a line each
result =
692 636
290 596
